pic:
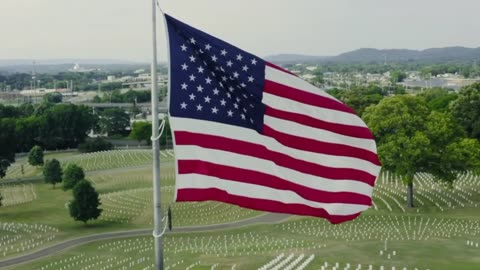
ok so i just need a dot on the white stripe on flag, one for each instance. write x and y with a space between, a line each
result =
316 134
190 152
327 115
284 78
196 181
248 135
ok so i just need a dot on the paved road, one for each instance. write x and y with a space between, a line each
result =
266 218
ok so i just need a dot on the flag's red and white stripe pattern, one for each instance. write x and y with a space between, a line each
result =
315 156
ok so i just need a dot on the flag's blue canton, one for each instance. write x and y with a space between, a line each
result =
213 80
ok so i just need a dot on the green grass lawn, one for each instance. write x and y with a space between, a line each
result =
113 159
251 247
126 195
433 235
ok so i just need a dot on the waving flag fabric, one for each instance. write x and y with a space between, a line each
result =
249 133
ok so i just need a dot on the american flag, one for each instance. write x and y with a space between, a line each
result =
249 133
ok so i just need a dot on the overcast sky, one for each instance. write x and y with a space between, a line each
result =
120 29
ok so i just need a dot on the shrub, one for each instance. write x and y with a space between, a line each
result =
95 145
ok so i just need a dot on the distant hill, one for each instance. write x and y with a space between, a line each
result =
69 61
295 58
368 55
360 56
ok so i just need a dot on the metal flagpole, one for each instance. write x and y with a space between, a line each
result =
157 209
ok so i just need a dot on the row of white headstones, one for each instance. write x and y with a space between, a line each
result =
14 194
381 227
390 189
111 159
127 206
288 262
20 237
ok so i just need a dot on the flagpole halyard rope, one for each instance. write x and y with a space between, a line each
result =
161 129
164 229
161 10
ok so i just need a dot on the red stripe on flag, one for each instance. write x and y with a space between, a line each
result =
190 195
280 68
263 179
347 130
262 152
314 146
304 97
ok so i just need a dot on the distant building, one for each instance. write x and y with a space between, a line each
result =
37 92
126 78
307 76
78 68
44 91
143 76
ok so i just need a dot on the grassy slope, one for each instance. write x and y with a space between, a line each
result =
253 251
267 241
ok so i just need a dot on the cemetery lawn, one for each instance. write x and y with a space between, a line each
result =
254 246
126 197
50 208
442 232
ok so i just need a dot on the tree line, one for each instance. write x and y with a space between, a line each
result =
82 81
467 70
61 126
128 97
50 126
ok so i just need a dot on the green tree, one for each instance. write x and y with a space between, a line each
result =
72 175
9 112
466 109
35 156
42 108
397 89
439 99
65 126
425 73
95 145
51 126
52 172
466 72
7 144
86 202
128 97
52 98
114 121
26 109
318 79
450 151
398 76
27 131
411 139
359 98
141 131
111 86
96 99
